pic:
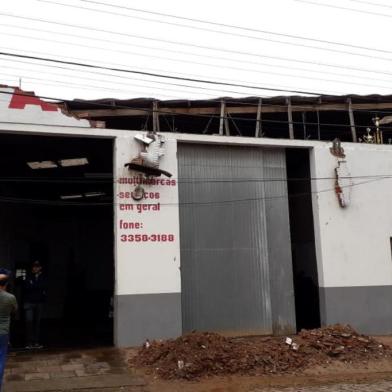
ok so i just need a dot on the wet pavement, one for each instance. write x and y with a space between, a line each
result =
106 370
381 386
70 370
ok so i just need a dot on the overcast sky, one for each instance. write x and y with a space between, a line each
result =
117 37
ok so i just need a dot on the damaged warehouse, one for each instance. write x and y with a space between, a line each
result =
239 227
299 117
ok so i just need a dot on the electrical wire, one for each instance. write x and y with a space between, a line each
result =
25 201
99 62
189 19
194 45
345 8
154 81
98 87
215 31
95 87
100 74
210 82
345 81
70 85
236 102
307 70
371 3
131 86
186 180
154 74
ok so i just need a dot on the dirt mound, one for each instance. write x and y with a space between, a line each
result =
343 342
198 355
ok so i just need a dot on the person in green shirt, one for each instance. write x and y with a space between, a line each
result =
8 305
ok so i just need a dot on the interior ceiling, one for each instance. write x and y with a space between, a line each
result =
18 180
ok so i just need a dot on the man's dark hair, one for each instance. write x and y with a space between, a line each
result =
5 271
4 281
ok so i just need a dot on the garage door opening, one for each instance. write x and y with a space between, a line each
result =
306 287
56 206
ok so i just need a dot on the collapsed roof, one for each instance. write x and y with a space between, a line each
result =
322 117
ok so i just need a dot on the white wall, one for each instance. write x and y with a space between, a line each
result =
17 106
353 243
147 267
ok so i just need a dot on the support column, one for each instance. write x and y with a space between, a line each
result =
352 122
222 117
259 130
304 124
318 121
290 118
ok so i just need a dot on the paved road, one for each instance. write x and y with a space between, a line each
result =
384 386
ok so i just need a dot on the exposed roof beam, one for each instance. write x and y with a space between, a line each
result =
93 113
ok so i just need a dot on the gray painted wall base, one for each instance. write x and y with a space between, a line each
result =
147 316
367 309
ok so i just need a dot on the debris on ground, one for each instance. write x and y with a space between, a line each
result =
203 354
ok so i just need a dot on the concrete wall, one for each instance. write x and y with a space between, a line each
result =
17 106
148 284
353 243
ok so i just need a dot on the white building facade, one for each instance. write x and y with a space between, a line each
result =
212 247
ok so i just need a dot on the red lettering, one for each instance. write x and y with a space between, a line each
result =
147 238
151 195
126 207
147 181
125 195
130 225
20 99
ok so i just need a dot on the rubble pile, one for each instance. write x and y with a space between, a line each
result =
344 343
197 355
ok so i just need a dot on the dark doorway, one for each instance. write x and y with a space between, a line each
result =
306 286
56 206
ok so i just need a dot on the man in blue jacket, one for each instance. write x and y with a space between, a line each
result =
8 305
34 300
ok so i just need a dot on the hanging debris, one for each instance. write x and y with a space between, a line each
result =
343 184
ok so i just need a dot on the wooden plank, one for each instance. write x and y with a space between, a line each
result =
208 125
352 122
251 109
235 125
